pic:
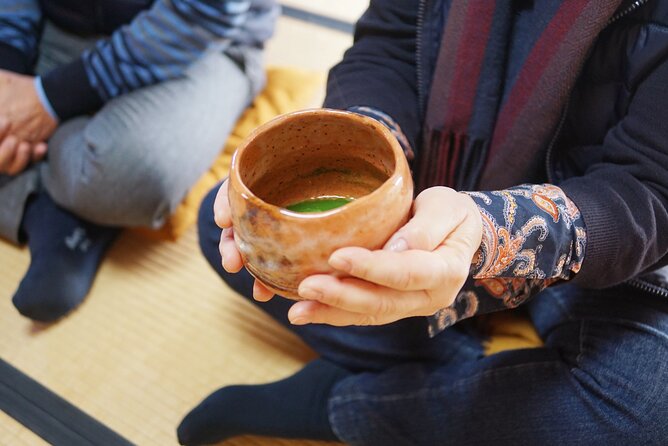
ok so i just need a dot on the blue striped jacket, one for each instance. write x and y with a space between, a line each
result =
157 45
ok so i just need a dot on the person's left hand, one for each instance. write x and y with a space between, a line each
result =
20 106
420 270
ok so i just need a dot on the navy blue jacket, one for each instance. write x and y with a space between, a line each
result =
609 154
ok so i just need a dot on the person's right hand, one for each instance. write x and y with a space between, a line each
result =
230 255
20 105
16 155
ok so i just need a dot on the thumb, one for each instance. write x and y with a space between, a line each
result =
437 212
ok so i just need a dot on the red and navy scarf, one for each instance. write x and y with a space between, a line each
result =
477 134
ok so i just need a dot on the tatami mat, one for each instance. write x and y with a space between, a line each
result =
348 10
158 332
15 434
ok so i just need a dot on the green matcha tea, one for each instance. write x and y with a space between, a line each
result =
319 204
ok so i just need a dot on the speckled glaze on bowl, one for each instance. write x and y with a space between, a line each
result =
308 154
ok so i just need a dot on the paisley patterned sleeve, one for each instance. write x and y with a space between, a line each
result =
533 236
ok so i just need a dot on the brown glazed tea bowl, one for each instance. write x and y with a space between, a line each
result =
307 154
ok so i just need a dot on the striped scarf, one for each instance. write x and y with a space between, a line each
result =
476 133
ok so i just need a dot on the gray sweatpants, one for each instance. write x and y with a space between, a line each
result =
133 162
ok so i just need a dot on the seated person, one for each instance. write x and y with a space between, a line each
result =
109 112
553 115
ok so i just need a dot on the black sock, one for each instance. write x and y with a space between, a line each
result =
295 407
65 252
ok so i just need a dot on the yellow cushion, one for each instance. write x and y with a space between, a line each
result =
510 330
287 90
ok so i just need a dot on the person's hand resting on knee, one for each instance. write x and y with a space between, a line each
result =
16 155
25 124
419 271
65 250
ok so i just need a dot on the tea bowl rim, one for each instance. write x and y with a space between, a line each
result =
395 177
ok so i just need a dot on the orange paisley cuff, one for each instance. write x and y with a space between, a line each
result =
533 237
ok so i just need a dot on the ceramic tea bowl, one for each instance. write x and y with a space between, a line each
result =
305 155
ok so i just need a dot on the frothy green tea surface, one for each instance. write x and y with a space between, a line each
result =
319 204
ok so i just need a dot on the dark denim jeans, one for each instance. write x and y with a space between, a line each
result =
600 379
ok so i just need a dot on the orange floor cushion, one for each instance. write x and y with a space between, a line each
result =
510 330
287 90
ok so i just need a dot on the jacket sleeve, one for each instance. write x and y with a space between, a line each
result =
598 229
20 22
624 195
158 45
379 70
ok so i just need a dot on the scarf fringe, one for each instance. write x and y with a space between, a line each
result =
450 159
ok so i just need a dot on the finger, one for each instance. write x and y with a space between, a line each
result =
435 215
407 270
382 304
261 293
229 253
21 158
39 152
4 126
312 312
221 207
7 150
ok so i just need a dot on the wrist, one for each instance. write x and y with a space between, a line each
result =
69 91
486 231
475 221
43 99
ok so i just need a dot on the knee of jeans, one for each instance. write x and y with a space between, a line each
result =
615 355
358 421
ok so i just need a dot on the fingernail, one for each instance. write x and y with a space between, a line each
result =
309 293
398 245
341 263
299 320
222 260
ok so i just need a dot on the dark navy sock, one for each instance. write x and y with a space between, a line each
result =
295 407
65 252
